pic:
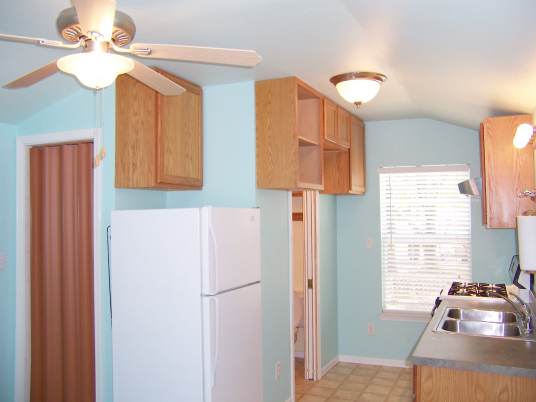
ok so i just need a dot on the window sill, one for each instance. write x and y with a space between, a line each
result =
397 315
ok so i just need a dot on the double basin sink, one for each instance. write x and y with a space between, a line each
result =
479 322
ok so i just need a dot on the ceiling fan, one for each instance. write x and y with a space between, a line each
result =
102 32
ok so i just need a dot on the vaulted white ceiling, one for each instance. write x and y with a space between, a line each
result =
457 61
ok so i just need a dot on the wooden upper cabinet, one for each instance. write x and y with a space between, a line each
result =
357 156
330 123
343 127
506 171
344 169
289 120
336 126
158 138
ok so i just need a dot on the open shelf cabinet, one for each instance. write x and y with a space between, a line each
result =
289 116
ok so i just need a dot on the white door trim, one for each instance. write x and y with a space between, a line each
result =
291 295
311 295
22 277
315 352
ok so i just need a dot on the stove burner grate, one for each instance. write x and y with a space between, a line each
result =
477 289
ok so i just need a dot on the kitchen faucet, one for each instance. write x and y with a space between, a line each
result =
523 310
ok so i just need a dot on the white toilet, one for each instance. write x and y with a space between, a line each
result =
298 312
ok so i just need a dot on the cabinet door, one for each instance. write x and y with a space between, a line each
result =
508 171
336 172
357 156
135 148
330 121
343 127
483 176
179 139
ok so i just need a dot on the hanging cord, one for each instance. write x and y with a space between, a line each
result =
101 153
98 108
108 237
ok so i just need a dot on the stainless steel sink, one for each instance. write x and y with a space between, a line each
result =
481 315
481 328
480 322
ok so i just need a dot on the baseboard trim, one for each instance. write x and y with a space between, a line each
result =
328 366
374 361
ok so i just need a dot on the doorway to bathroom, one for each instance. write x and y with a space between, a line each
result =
304 279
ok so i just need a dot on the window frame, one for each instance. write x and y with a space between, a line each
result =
414 315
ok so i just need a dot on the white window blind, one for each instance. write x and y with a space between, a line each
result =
425 234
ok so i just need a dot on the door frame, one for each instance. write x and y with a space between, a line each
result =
22 274
317 372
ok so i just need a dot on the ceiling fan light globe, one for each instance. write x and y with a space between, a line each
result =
95 70
358 90
523 135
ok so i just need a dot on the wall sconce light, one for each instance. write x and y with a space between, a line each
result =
523 136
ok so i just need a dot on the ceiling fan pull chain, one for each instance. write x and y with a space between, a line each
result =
99 124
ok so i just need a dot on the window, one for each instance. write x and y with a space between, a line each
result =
425 234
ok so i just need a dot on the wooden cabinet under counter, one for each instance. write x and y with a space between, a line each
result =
158 138
506 171
439 384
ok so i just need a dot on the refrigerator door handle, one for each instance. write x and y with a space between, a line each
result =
216 340
214 263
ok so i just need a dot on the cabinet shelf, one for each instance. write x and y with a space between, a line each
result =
303 141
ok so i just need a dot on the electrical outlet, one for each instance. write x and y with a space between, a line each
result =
371 329
277 370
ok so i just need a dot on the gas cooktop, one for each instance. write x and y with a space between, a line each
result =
477 289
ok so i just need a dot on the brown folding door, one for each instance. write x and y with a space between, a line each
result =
62 309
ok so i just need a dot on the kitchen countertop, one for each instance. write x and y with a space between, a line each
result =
511 357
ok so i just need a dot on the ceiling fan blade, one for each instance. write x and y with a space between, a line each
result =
33 77
38 41
197 54
96 16
155 80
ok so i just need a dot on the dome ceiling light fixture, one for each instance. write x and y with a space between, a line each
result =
358 87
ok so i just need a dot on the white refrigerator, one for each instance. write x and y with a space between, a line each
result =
186 305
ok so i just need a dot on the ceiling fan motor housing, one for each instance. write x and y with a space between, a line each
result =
70 29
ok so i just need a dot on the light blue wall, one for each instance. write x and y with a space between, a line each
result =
275 292
139 199
229 180
7 252
327 244
73 113
229 149
392 143
78 112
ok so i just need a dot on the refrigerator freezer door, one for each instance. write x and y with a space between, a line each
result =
156 306
232 346
231 248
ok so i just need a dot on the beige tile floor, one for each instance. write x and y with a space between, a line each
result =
356 382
